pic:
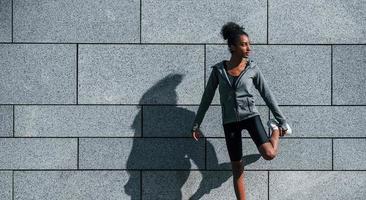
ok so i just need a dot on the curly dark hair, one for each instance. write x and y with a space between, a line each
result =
232 31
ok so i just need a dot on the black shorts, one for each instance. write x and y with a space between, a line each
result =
233 135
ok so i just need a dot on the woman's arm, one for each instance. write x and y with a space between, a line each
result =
206 99
261 84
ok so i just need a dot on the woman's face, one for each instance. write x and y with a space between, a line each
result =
242 47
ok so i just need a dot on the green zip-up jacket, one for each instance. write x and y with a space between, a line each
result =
237 99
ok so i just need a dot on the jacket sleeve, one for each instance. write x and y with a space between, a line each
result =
261 84
206 99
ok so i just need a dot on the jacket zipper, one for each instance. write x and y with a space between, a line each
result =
237 113
236 108
248 105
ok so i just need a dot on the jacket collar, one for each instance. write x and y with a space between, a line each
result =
221 69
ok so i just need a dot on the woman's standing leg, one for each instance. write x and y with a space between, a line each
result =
238 179
234 146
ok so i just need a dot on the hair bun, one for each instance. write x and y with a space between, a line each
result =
230 29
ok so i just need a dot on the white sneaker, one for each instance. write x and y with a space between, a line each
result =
274 125
288 128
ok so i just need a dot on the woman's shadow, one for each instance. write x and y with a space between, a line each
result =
166 144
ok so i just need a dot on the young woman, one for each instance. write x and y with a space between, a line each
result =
236 79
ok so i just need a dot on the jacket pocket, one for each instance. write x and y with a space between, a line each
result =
243 104
251 105
247 104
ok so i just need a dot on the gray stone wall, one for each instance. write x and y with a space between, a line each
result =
97 99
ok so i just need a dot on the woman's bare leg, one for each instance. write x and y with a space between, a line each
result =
275 138
269 150
238 179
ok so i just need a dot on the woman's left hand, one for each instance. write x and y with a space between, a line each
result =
282 131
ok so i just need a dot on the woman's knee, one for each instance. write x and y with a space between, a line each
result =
267 151
269 154
237 168
237 165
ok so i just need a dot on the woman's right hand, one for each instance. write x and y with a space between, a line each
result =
196 134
